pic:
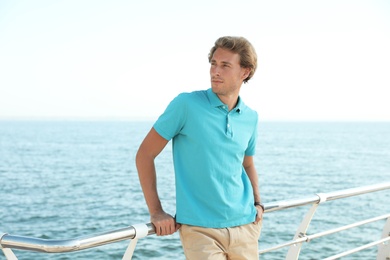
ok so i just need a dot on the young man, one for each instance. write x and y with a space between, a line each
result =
213 134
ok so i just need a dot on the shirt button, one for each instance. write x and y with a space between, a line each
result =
228 125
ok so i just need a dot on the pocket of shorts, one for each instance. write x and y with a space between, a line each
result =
257 227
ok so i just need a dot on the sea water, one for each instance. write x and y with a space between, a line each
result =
70 179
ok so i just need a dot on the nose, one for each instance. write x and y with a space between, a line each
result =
214 71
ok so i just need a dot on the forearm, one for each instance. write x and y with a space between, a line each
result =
152 145
164 223
147 176
254 179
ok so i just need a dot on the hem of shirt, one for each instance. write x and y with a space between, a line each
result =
161 132
218 225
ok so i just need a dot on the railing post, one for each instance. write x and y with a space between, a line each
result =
141 230
384 248
295 249
9 255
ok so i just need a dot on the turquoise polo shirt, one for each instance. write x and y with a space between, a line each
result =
209 144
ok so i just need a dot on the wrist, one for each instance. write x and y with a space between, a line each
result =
156 210
260 205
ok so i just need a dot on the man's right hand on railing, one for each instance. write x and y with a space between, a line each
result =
164 223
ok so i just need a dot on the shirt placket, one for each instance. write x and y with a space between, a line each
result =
229 128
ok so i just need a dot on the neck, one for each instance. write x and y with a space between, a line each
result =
229 100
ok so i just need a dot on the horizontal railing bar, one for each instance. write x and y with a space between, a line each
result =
285 204
357 224
69 245
357 249
60 246
308 238
292 242
335 195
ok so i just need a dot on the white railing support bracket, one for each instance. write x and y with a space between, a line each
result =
384 248
141 230
295 249
323 197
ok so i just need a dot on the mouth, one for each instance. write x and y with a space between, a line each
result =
216 80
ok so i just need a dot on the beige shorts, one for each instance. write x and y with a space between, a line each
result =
239 242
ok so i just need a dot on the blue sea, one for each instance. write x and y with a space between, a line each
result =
68 179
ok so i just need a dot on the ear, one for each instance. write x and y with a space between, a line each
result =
246 72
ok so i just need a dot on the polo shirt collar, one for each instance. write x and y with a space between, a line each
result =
216 102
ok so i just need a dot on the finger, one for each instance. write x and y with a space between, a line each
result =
258 218
156 229
165 230
168 229
159 233
162 231
171 229
177 227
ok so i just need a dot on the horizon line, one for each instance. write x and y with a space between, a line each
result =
150 118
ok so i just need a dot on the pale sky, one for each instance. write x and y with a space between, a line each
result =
318 60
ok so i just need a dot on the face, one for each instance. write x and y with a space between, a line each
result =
226 73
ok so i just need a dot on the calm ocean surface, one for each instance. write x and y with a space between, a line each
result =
68 179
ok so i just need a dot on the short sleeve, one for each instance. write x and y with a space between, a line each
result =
251 150
169 124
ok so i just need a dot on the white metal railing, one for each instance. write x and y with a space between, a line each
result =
301 237
135 232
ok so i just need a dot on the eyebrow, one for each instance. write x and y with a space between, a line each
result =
223 62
